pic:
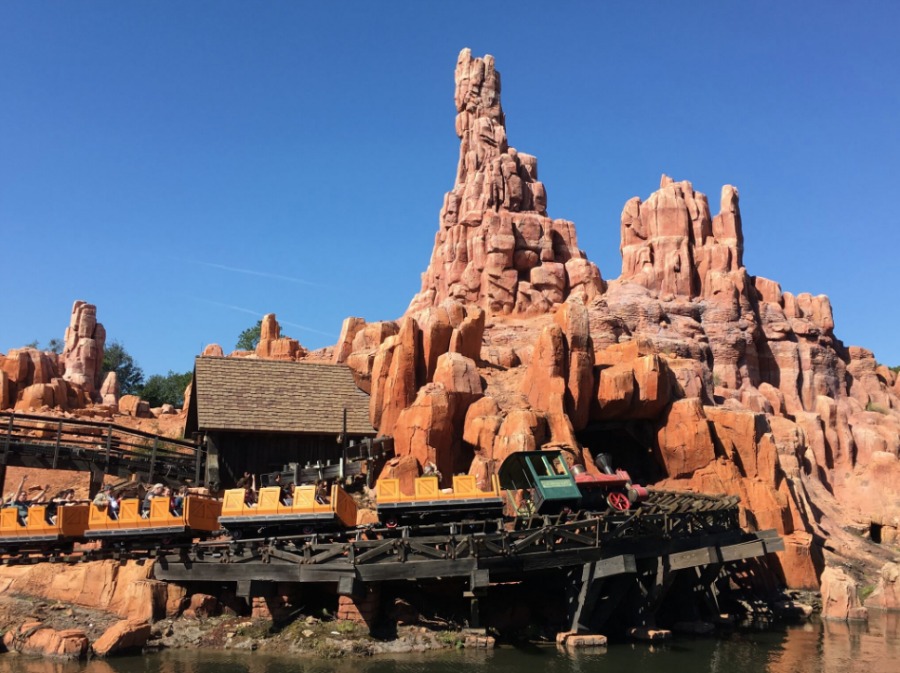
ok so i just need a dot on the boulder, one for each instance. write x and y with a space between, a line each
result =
886 595
213 351
202 606
122 637
132 405
36 639
839 596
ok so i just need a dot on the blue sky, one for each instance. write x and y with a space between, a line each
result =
189 166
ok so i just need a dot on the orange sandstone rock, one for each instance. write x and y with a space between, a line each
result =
35 639
122 636
683 438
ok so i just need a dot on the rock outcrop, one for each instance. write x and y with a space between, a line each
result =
31 379
125 590
123 636
496 246
83 354
273 346
35 638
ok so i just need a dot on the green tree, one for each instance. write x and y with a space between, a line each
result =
55 346
117 359
249 337
169 389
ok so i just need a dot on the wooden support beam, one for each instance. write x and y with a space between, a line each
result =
382 572
693 558
252 588
774 544
745 550
617 565
350 586
586 590
479 579
610 596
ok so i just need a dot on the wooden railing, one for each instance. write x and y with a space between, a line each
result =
48 442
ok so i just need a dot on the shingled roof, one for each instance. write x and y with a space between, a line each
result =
247 394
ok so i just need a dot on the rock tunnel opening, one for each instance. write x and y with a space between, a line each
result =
630 445
875 532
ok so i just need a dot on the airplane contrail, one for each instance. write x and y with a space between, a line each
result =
251 272
261 313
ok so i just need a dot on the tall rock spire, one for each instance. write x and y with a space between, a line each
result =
496 247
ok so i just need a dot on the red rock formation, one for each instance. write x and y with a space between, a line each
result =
839 596
886 595
272 346
36 639
213 350
496 247
109 391
125 590
344 347
83 354
125 635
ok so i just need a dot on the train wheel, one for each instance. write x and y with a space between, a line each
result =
391 523
618 501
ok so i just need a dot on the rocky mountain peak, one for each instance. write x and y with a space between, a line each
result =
496 247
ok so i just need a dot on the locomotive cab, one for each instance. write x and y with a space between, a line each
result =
538 482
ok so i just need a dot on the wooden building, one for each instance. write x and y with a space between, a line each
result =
259 415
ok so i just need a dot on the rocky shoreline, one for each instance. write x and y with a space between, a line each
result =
63 631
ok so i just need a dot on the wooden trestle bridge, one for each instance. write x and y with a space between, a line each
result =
604 555
44 442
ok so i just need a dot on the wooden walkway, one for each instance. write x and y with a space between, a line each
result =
48 442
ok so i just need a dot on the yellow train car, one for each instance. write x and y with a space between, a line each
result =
308 512
430 504
40 528
199 516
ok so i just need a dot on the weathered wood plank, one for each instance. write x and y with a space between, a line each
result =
774 544
617 565
745 550
228 572
693 558
382 572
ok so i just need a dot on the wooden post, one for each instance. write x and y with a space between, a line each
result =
198 462
108 443
212 461
153 459
3 458
56 448
96 481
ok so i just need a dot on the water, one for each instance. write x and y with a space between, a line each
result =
809 648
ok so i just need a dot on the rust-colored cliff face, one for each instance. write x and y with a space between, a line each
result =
690 370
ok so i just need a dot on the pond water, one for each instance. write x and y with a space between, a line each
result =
808 648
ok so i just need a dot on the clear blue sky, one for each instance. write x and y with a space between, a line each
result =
189 166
